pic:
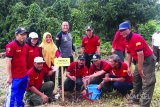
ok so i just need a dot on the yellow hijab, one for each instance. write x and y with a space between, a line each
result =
48 49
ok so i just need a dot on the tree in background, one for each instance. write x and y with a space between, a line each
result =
47 15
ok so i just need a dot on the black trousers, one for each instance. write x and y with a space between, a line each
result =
70 85
88 60
50 78
156 51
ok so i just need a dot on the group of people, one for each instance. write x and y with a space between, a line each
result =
31 67
140 54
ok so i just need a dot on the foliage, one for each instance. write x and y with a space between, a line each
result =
147 30
47 15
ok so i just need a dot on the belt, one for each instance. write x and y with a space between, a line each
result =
89 54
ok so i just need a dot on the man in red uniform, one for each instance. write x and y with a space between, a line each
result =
97 72
119 78
90 45
144 75
16 68
37 91
118 45
76 71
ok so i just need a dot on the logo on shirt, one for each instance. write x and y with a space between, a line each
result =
57 38
30 50
8 50
18 50
36 78
138 43
86 41
124 70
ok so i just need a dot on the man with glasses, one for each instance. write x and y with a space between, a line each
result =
90 45
144 74
16 69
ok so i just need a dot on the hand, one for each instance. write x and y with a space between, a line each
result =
75 54
44 98
107 75
73 78
86 80
106 79
54 68
141 74
98 53
113 51
9 80
100 85
84 92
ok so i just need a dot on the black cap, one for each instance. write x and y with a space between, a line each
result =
81 57
20 30
96 57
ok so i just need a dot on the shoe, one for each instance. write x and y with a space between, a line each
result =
57 96
51 99
30 103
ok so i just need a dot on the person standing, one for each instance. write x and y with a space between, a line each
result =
17 69
90 45
65 45
38 92
156 45
76 71
33 49
144 75
118 45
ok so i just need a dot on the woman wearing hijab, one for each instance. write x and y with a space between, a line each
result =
49 53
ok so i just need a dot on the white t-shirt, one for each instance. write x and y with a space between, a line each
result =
156 39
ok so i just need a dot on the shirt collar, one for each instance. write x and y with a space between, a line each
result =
19 44
64 33
100 67
91 36
36 70
129 36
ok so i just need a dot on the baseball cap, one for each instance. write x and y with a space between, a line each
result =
33 35
124 25
89 28
38 60
81 57
95 57
20 30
